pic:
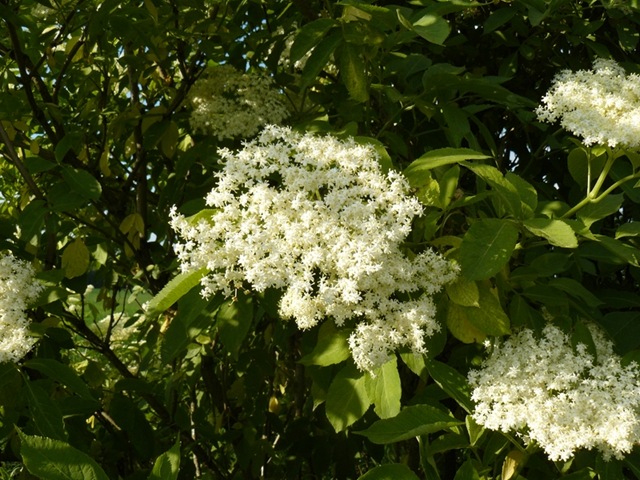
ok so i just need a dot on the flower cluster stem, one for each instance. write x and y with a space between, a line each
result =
593 194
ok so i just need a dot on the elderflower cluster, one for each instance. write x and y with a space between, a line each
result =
602 106
230 104
317 218
560 397
17 289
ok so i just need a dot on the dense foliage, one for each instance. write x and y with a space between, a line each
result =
112 113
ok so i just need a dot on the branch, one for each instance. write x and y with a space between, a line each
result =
80 327
25 80
15 159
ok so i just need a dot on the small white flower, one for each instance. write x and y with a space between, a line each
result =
316 217
560 397
601 105
231 104
17 289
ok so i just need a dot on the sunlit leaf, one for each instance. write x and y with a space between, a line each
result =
234 321
174 290
452 382
347 398
309 36
167 465
390 471
487 247
384 389
352 69
411 422
75 258
433 28
332 346
57 460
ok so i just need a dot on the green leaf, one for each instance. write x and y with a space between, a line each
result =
174 290
63 198
474 430
522 314
44 412
416 363
506 190
457 123
347 398
610 469
546 295
461 327
31 219
512 464
620 250
557 232
448 442
432 28
384 390
464 292
75 259
632 462
448 185
61 373
309 36
488 317
620 299
167 465
578 163
631 229
332 346
526 191
384 158
82 183
10 383
152 9
593 212
390 471
319 59
624 329
57 460
549 264
352 70
452 382
130 418
194 314
467 472
576 290
498 18
487 247
411 422
169 140
442 156
37 164
582 335
71 141
234 320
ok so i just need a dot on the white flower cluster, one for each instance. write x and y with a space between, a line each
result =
601 106
231 104
315 217
17 289
562 398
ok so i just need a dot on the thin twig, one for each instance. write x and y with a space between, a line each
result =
15 159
